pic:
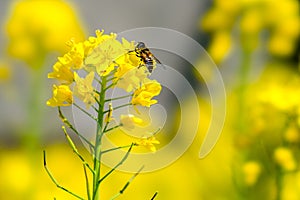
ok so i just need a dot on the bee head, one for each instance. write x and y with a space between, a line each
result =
140 45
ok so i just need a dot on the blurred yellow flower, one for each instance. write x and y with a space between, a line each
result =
285 159
35 28
130 121
143 95
251 170
298 116
285 97
5 72
292 134
220 46
62 96
148 142
279 45
280 19
84 89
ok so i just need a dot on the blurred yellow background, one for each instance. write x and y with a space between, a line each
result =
253 42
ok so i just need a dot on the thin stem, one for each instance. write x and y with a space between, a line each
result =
122 97
110 79
55 182
121 106
71 143
110 86
105 127
127 184
279 182
67 123
84 111
108 117
99 81
98 102
154 196
95 108
116 148
112 128
116 166
87 183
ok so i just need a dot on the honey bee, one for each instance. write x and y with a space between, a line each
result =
146 56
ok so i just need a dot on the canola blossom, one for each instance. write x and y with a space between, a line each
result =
110 63
104 56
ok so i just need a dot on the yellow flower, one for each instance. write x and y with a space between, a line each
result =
62 96
130 121
292 134
129 75
74 58
62 73
35 28
148 142
143 95
71 60
285 159
84 90
92 42
128 46
251 170
281 46
102 57
220 46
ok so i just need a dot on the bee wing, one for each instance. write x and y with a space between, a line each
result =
156 59
159 63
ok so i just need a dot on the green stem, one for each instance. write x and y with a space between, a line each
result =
33 127
116 166
279 179
110 86
127 184
72 145
116 148
54 180
99 134
85 112
66 122
242 87
117 98
87 183
112 128
121 106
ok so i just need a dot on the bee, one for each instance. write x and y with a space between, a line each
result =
146 56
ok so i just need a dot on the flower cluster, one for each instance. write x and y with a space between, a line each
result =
101 57
270 145
280 19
